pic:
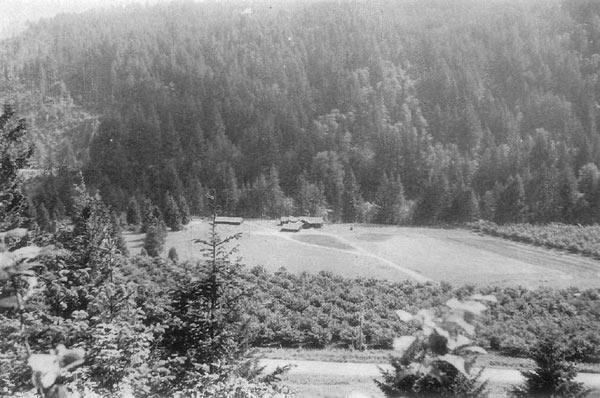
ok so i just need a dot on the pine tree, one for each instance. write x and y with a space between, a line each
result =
207 326
15 153
184 210
133 213
433 201
155 239
43 218
150 214
172 217
391 201
228 193
569 195
310 199
173 256
352 199
553 376
511 207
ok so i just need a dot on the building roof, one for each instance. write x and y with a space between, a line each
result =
292 227
312 220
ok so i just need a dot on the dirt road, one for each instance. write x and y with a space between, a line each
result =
494 375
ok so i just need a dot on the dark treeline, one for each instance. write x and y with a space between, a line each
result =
393 112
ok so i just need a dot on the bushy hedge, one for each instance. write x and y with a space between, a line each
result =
326 310
582 239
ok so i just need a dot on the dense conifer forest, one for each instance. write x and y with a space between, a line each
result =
395 112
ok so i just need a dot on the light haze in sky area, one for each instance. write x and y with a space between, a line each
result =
14 14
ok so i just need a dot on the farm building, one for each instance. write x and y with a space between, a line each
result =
292 227
229 220
311 222
286 220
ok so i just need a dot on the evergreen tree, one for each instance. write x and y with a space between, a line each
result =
488 206
511 207
43 218
553 375
433 201
196 193
352 199
15 153
310 200
173 256
172 216
329 172
227 191
391 201
207 306
156 236
569 196
150 214
184 210
588 184
133 213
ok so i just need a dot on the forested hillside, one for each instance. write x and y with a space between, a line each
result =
390 111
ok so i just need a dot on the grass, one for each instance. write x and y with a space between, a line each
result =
323 240
457 256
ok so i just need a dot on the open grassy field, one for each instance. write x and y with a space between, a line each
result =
394 253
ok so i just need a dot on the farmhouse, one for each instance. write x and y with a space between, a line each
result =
311 222
289 219
229 220
292 227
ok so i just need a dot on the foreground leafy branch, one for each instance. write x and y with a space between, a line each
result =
438 359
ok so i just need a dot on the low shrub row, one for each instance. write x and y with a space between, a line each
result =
326 310
582 239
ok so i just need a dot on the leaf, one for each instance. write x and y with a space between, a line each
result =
404 316
6 262
403 343
69 359
476 349
32 283
458 318
469 306
459 341
45 368
26 252
480 297
456 361
442 332
426 320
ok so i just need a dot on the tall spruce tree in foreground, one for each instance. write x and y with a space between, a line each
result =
206 329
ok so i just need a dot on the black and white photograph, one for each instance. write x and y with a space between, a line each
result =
300 198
